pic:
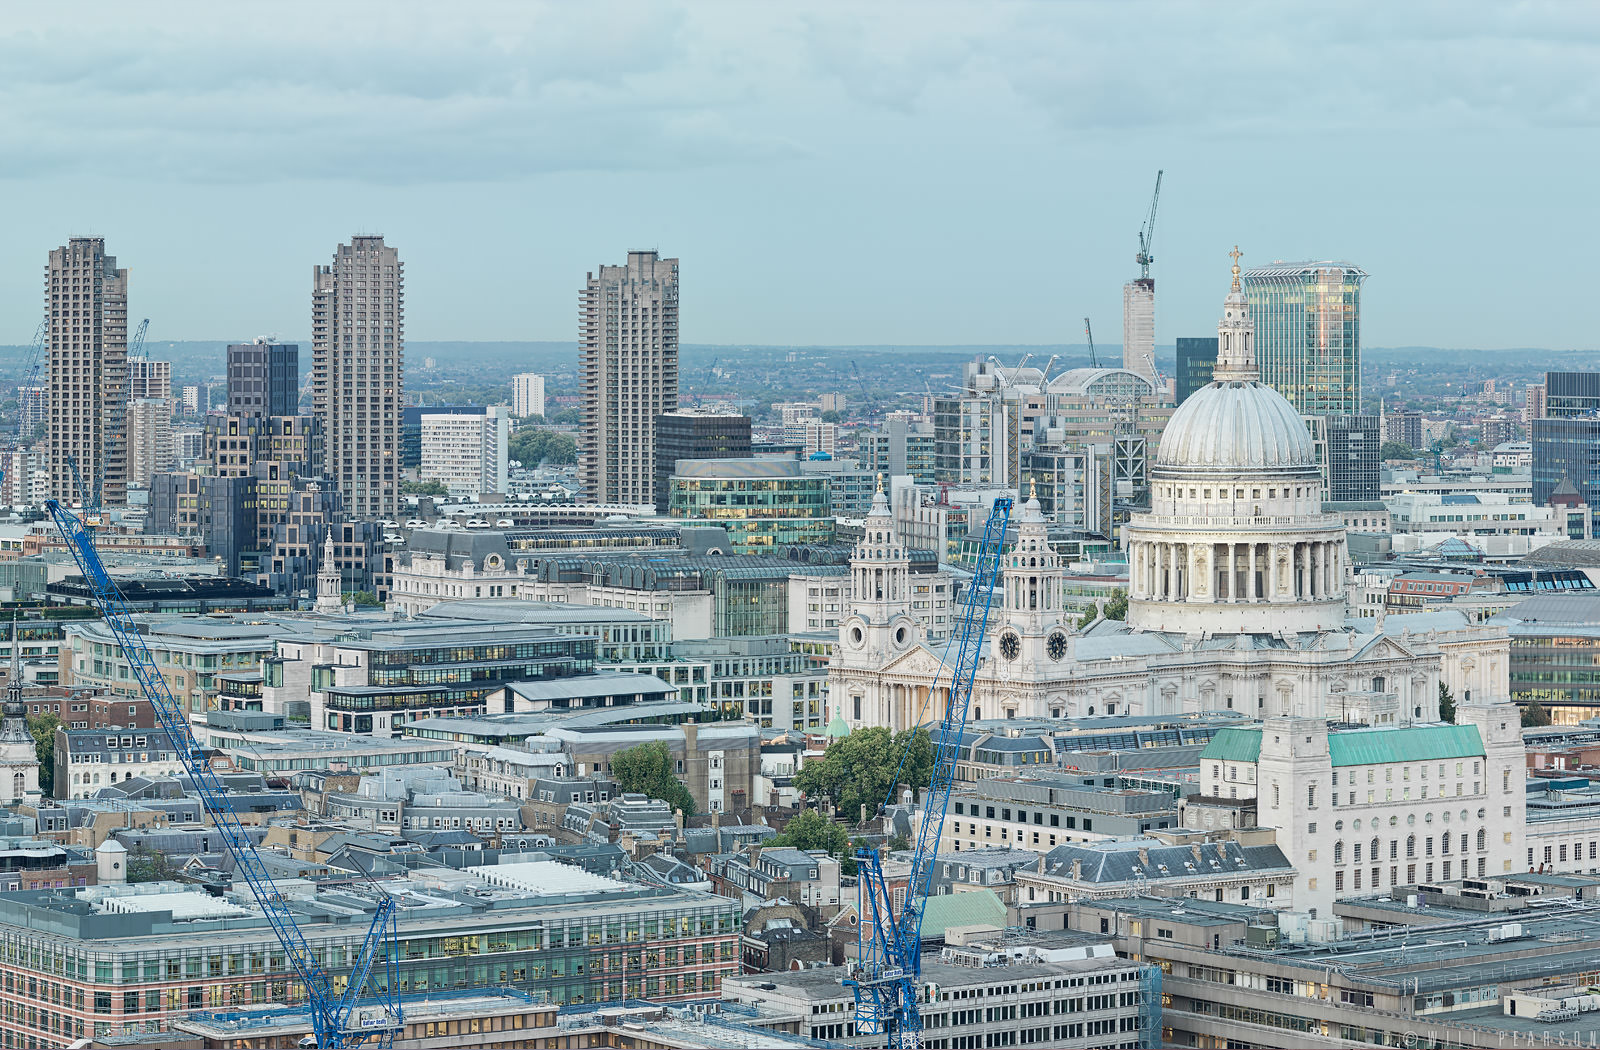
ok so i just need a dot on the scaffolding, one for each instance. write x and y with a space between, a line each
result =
1150 1007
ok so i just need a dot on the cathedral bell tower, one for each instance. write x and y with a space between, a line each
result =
1030 628
881 623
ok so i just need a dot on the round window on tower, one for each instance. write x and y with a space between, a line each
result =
900 636
856 636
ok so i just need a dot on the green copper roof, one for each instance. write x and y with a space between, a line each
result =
1234 745
1371 747
837 728
970 908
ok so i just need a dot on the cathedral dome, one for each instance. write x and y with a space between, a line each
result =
1236 426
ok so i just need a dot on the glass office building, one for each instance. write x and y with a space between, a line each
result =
765 504
1308 333
1566 448
1555 654
1197 359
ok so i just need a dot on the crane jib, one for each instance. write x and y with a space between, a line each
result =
331 1013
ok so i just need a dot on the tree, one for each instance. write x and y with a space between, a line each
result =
810 830
43 727
860 769
648 770
531 447
423 488
147 865
1396 450
1447 704
364 599
1113 608
1535 715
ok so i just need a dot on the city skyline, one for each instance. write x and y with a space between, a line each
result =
833 134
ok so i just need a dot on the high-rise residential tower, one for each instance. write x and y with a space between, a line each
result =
358 371
628 367
527 394
1308 333
263 378
87 300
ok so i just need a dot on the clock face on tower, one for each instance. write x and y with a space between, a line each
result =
1056 646
1010 646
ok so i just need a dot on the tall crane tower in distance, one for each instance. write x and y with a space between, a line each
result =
1139 300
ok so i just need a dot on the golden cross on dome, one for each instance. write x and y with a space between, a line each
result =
1236 253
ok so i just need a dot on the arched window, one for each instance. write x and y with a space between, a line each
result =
1482 839
1411 845
1374 853
1338 852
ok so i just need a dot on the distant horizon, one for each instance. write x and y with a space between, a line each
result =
901 174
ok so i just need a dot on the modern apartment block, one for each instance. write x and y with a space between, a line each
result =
628 368
86 296
263 378
358 371
527 394
149 439
147 378
467 454
1308 333
692 433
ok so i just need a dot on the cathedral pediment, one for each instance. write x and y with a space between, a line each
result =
919 660
1384 647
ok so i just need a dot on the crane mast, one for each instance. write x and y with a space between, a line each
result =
890 945
1088 333
339 1021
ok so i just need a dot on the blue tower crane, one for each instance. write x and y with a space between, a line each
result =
890 945
341 1021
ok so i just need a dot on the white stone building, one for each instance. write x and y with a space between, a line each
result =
1240 597
1369 809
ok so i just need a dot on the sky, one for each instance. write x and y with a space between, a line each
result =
881 173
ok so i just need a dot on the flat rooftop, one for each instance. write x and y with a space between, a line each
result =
480 898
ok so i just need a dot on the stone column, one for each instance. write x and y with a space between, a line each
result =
1250 588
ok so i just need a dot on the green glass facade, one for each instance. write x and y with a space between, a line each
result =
765 505
1308 333
1197 359
1560 670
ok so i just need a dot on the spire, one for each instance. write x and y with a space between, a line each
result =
1236 334
330 585
14 707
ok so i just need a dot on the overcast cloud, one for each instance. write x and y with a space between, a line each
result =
878 173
